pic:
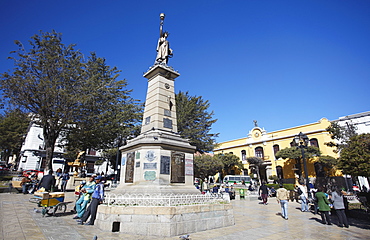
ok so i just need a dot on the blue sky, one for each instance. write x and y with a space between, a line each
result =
282 63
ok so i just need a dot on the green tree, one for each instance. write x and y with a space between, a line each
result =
257 162
109 114
355 156
296 153
111 156
229 161
54 82
340 134
328 162
13 128
327 166
206 165
194 122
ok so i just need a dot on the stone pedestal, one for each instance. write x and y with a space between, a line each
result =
159 163
158 160
165 221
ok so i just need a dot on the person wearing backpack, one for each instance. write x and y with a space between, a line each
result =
302 192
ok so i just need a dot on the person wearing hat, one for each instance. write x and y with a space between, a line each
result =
86 192
97 198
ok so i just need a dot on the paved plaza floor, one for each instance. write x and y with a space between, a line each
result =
19 221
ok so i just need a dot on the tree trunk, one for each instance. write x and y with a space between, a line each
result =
50 137
5 156
258 175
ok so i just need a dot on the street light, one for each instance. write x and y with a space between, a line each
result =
301 141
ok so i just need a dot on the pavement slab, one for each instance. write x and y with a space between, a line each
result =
20 219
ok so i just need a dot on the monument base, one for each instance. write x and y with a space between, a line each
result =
164 221
157 162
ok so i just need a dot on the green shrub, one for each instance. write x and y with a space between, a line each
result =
5 177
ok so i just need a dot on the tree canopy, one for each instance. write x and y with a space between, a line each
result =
340 134
295 153
65 92
108 113
328 161
13 128
206 165
355 156
229 161
257 162
194 122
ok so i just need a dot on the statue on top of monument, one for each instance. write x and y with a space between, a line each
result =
163 47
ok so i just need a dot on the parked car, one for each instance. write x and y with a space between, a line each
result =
30 172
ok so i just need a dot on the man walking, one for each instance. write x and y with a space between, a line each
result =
282 197
65 178
263 192
97 198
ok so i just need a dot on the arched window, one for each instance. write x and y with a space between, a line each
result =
319 169
276 149
314 142
259 152
279 172
244 155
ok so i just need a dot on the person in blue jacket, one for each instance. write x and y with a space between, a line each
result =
97 198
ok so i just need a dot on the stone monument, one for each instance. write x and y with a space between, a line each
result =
156 194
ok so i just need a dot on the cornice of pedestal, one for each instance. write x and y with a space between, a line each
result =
163 70
159 138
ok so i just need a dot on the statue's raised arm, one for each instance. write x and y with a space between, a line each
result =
163 47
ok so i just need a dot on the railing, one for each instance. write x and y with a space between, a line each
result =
130 199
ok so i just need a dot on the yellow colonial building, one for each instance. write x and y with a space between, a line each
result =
263 144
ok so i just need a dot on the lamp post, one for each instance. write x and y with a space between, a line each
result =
301 141
118 164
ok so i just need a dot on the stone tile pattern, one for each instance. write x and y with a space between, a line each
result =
18 221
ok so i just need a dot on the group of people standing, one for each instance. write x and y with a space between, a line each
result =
29 184
326 202
48 182
323 202
62 177
91 192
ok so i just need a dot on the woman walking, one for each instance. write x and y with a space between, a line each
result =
323 204
338 203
